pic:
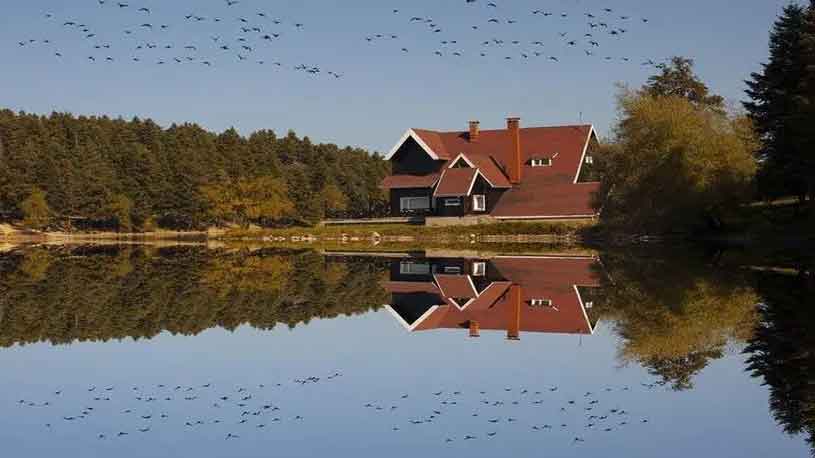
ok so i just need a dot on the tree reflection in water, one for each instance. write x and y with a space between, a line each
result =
96 294
782 350
676 313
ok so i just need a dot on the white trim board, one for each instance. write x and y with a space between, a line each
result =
461 156
583 309
583 156
410 133
410 327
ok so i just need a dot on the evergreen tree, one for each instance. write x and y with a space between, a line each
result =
781 106
98 172
677 79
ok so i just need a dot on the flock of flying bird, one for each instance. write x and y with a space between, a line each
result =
255 30
577 416
236 410
143 40
605 23
240 410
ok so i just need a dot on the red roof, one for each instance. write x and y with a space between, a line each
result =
489 168
456 286
553 279
435 142
455 182
410 181
409 287
544 199
567 142
548 191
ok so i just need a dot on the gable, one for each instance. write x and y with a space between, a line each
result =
425 147
411 158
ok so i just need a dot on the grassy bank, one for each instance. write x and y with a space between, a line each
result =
572 228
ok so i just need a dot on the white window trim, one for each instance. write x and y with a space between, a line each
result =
483 201
452 201
541 302
404 200
479 269
406 268
539 162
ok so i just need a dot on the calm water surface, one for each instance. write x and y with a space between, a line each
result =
189 352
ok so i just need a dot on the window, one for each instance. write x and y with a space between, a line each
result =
541 162
414 268
452 202
414 203
479 269
452 270
589 160
541 302
588 305
480 203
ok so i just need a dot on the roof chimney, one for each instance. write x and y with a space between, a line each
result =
515 163
475 329
514 313
474 131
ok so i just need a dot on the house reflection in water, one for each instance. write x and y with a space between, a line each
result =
511 294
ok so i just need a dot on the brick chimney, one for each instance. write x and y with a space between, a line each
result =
474 131
475 329
514 313
515 162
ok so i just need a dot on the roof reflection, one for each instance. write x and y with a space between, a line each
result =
511 294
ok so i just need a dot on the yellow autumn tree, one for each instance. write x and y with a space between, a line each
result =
335 200
248 200
675 328
674 165
36 213
242 272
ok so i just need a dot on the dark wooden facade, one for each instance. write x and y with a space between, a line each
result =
396 196
439 204
411 159
466 207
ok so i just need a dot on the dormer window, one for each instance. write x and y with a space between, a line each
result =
544 304
541 162
541 302
589 160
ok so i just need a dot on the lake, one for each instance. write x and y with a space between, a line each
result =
188 351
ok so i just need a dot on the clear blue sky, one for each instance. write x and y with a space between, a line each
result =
382 90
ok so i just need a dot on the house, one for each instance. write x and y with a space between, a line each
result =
510 294
512 173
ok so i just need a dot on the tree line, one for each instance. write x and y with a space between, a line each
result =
101 293
66 171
